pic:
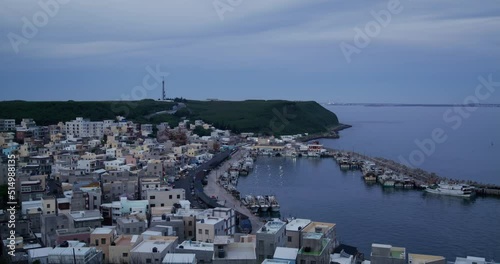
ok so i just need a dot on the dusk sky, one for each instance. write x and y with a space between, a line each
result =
427 52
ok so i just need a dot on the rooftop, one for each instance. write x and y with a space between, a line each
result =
39 252
240 251
86 215
297 224
275 261
470 260
70 251
102 231
341 258
195 245
272 227
324 226
286 253
126 240
312 235
148 245
179 258
422 259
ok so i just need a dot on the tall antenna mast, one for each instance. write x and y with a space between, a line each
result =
163 87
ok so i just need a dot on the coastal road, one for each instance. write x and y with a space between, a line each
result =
224 197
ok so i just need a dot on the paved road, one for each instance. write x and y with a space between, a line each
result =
224 197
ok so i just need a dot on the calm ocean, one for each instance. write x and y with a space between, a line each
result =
364 214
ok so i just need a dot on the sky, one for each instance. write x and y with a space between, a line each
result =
405 51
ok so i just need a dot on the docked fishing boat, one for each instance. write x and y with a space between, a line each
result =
460 190
370 177
273 203
345 163
263 204
252 204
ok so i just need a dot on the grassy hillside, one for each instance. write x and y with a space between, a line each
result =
259 116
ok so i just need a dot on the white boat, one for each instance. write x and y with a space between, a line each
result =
271 199
461 190
264 206
252 204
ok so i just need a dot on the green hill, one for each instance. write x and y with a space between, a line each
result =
258 116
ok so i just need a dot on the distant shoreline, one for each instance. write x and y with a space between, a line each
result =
332 134
413 105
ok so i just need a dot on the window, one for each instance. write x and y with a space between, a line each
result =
200 231
162 205
148 260
269 257
170 197
190 223
152 197
302 261
178 196
271 245
125 255
289 239
103 241
48 205
190 233
206 231
97 242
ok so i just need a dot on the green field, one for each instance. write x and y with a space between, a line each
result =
259 116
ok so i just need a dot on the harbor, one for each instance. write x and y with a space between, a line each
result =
386 172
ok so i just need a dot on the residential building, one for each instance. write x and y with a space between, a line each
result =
81 255
84 128
132 224
294 232
101 238
7 124
208 228
387 254
315 249
286 254
204 251
327 229
119 250
165 197
229 251
85 218
269 237
153 251
49 224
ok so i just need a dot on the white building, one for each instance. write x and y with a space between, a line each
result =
84 128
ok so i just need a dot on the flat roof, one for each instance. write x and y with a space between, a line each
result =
340 259
296 223
286 253
148 245
469 260
275 261
422 259
272 227
195 245
312 226
102 231
211 220
240 251
312 236
179 258
68 251
39 252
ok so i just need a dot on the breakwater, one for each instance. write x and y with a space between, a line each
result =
421 177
